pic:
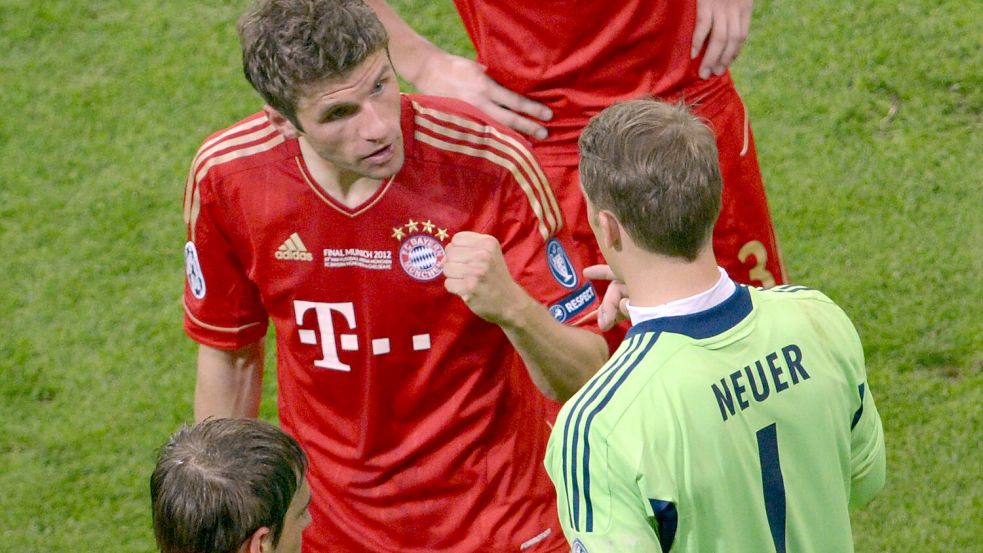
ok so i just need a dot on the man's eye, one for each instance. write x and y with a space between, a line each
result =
379 85
337 113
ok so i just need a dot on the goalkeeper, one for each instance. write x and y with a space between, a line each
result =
731 418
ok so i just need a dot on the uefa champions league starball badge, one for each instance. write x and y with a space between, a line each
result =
421 253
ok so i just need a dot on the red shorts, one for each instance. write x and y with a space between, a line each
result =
743 238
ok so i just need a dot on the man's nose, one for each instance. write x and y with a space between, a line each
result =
373 125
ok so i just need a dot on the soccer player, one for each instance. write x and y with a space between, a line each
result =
230 486
545 68
732 418
397 243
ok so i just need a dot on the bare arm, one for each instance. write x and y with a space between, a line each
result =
560 358
410 52
436 72
230 383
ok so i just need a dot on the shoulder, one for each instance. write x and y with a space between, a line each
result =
792 297
229 154
247 144
791 294
453 130
793 304
452 138
451 108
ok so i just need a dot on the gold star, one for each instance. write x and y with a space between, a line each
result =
398 233
412 226
428 226
442 234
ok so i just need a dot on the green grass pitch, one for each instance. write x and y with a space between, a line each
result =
867 117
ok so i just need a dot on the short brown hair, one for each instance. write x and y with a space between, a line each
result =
654 165
288 45
219 481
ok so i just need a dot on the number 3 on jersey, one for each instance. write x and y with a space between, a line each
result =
758 272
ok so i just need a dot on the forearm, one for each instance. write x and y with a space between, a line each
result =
560 358
409 52
229 383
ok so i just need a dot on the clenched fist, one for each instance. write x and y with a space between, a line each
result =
476 272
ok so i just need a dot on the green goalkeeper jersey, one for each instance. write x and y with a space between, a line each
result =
748 427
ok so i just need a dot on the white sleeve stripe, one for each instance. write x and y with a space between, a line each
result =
488 141
194 207
207 149
498 160
255 136
270 139
505 143
246 125
226 329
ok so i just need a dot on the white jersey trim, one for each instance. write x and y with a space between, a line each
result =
193 209
225 329
519 161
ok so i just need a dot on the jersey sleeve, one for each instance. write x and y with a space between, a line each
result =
538 246
222 307
658 497
868 463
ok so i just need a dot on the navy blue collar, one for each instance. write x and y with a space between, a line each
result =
703 324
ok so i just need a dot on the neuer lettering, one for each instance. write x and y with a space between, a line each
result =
766 378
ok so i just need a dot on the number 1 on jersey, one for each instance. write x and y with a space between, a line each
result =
773 484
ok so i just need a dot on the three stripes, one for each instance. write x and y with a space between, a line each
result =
590 401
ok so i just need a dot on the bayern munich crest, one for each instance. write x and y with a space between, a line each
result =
422 257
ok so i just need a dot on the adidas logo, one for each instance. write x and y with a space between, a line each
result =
293 250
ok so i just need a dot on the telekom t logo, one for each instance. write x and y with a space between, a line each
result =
330 340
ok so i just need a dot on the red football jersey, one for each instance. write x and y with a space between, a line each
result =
577 57
418 416
580 56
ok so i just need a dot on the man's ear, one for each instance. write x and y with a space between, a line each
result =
610 229
261 541
280 122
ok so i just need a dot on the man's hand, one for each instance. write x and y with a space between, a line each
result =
614 306
476 272
723 25
445 74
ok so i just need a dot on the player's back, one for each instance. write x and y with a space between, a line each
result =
729 429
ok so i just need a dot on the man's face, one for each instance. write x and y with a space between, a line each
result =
352 122
296 519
